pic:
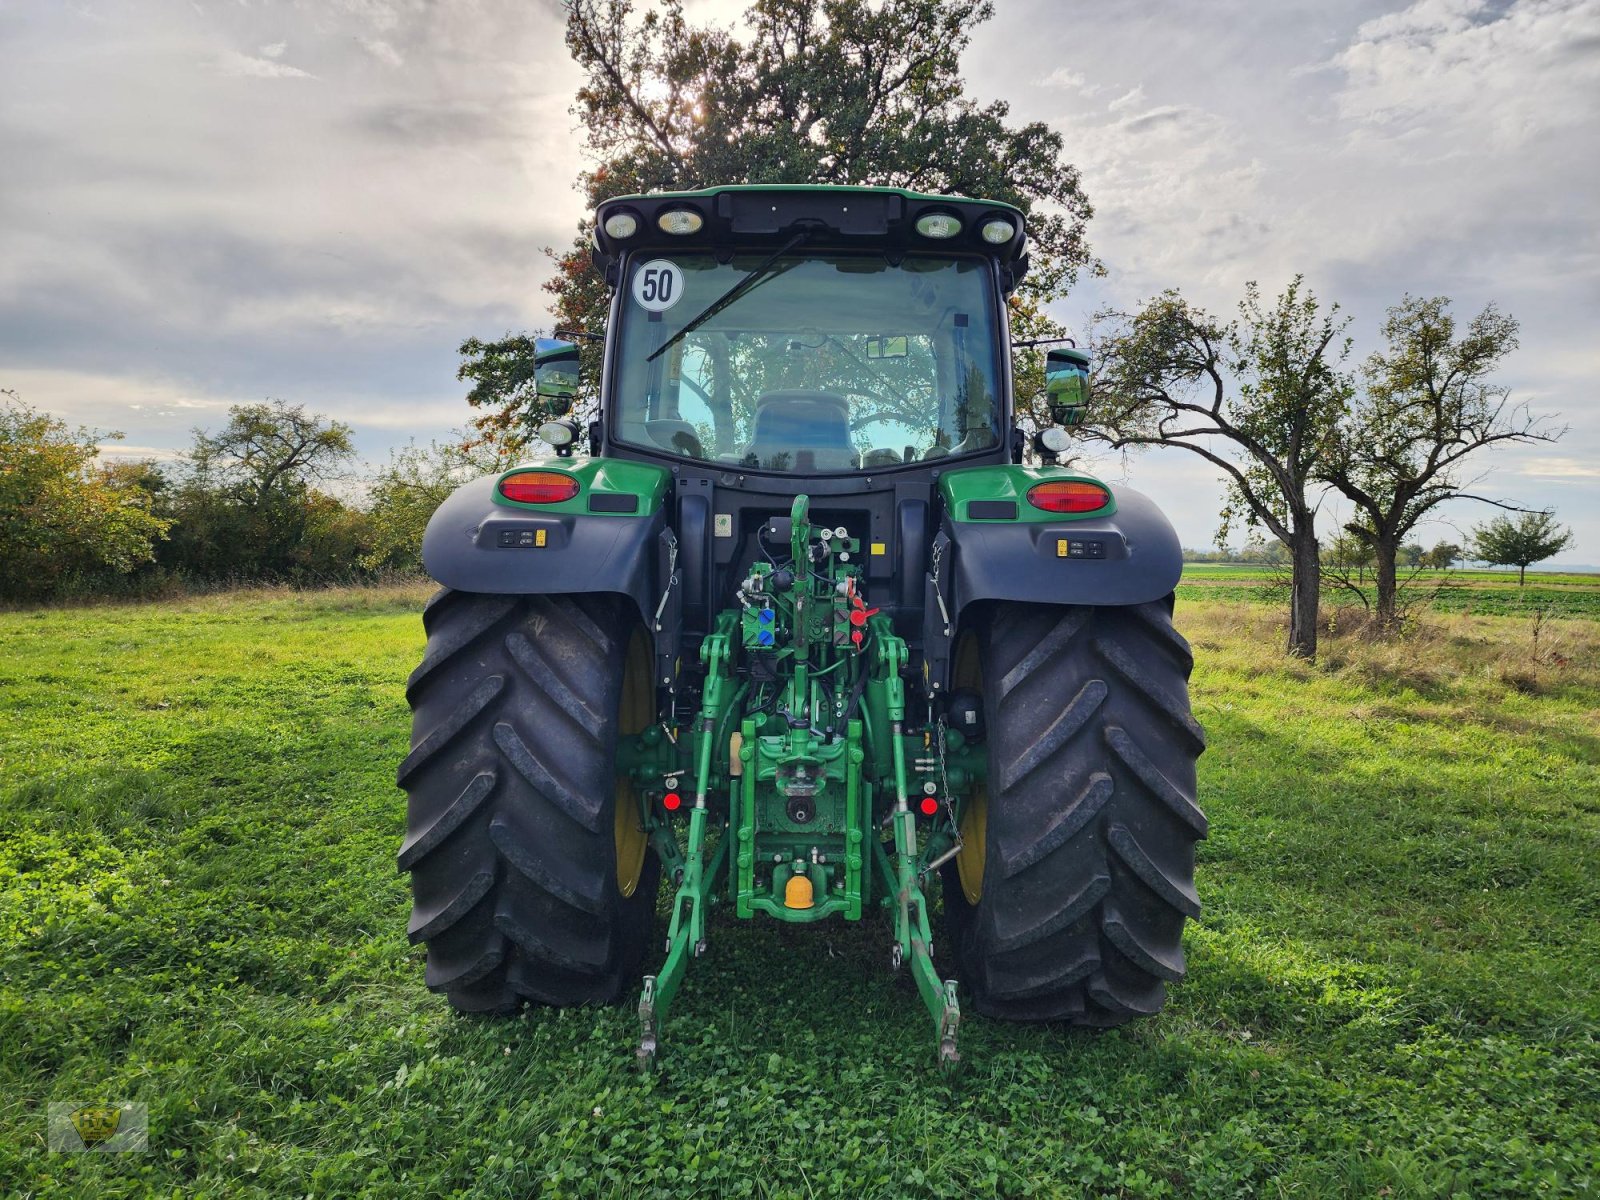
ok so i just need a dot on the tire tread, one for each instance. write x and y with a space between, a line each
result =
1092 818
509 839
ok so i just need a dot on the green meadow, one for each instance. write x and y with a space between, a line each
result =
1394 989
1490 593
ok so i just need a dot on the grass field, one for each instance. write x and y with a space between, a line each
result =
1489 593
1393 991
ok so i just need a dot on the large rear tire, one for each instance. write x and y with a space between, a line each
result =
530 876
1069 900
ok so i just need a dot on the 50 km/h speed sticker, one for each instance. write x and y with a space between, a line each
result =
658 285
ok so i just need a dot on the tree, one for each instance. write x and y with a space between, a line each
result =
1532 537
1260 398
1348 549
812 91
1412 554
63 515
1442 556
271 447
501 374
248 507
1427 404
406 491
1346 561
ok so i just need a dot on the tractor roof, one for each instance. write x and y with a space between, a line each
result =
768 215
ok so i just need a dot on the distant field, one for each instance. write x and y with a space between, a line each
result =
1483 592
1392 991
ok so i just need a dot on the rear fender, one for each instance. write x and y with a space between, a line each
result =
1002 548
1126 553
610 537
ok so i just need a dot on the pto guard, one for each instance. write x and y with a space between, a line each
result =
477 541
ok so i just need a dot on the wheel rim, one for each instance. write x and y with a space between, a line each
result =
975 813
634 712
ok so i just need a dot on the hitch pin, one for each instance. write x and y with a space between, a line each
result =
941 860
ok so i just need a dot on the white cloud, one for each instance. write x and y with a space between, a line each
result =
1447 147
1069 80
116 402
1458 67
1560 468
383 52
112 450
1128 99
243 66
274 50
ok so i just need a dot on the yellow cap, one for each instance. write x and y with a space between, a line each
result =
797 892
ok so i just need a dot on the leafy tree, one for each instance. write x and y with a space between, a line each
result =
1412 553
271 447
415 481
64 517
812 91
335 539
1274 553
1348 549
1441 556
1426 406
1532 537
1346 561
248 507
1260 398
501 374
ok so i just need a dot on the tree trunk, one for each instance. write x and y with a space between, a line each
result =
1522 573
1384 551
1306 593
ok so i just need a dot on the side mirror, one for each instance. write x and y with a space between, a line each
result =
555 372
1066 384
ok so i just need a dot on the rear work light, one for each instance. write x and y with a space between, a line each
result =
1068 496
538 487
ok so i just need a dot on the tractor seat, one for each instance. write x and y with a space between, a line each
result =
811 429
675 435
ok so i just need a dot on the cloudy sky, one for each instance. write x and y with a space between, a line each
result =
205 204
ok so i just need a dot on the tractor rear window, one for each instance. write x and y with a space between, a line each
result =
820 363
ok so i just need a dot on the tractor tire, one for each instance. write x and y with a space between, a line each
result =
531 877
1068 901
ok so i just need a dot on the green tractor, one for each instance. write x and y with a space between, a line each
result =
801 637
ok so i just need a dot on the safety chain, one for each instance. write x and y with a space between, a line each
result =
939 730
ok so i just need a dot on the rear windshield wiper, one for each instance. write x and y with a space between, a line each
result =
729 296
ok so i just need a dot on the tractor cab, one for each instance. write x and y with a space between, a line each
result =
826 363
807 331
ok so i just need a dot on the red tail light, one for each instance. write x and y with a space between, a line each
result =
672 802
929 805
538 487
1068 496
